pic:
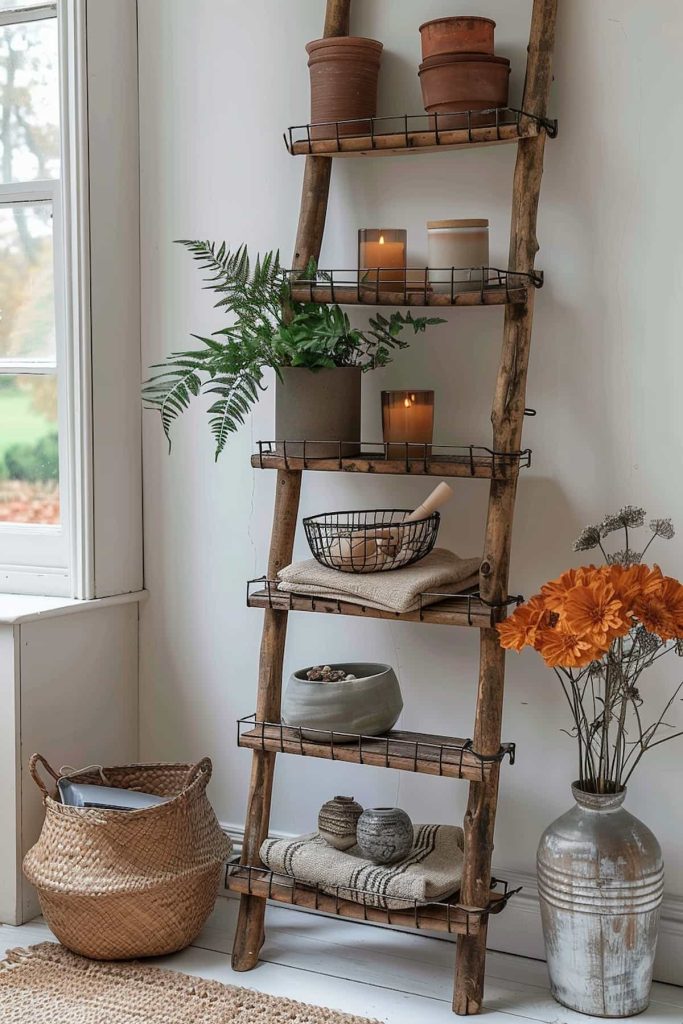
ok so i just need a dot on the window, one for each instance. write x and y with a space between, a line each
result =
32 528
33 505
70 451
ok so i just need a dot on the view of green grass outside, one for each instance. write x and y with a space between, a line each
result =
20 422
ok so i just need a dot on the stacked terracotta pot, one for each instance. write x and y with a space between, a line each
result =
460 71
344 72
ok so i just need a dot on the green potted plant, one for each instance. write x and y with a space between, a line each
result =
318 357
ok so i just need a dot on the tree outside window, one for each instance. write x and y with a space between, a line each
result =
29 183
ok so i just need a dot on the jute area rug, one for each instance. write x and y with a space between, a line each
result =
47 984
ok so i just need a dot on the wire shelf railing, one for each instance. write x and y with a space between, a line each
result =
414 752
401 130
446 915
416 286
467 460
264 592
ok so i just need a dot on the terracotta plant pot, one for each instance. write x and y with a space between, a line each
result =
344 72
464 81
315 406
457 35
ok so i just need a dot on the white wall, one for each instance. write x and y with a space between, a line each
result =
74 663
220 80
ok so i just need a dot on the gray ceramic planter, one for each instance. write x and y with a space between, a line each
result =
315 406
385 834
369 705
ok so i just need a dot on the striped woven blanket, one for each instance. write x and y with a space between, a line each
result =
432 870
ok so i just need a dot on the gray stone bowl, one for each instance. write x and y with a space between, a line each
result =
368 705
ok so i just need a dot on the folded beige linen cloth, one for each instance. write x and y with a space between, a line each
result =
397 590
432 870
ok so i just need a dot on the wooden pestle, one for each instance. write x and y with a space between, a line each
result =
439 496
391 546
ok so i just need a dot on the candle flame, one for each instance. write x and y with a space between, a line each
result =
406 402
381 239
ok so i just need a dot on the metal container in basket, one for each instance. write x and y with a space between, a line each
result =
370 541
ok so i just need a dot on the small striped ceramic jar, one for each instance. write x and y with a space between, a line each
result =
337 822
600 880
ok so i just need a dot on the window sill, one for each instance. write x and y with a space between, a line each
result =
18 608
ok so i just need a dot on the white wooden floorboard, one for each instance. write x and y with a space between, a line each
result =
420 965
25 935
378 973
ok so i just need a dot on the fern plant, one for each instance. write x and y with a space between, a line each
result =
268 329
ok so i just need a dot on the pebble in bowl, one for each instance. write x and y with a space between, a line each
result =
368 704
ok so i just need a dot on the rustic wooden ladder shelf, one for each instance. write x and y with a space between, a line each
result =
477 760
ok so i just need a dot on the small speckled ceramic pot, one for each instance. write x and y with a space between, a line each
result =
385 834
337 822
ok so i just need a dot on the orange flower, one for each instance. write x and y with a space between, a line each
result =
655 616
575 618
560 648
555 592
649 579
671 593
626 583
594 613
519 630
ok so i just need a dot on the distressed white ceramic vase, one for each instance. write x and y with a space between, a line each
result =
600 881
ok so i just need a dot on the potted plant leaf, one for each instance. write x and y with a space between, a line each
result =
318 357
603 629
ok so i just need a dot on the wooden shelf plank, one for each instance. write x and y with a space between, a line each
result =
481 464
445 916
413 142
423 753
455 611
352 295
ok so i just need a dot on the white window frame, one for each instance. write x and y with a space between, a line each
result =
98 308
52 560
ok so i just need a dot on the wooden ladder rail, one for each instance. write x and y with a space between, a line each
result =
507 419
249 935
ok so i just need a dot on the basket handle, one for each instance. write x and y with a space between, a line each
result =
203 767
33 763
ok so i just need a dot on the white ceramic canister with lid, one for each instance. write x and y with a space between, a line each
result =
463 244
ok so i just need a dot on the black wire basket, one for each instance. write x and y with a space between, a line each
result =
374 541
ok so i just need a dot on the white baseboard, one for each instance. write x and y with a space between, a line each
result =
518 929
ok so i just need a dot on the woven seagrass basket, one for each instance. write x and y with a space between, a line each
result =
117 885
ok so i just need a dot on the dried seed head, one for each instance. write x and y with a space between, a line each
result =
588 539
663 528
648 643
630 516
624 558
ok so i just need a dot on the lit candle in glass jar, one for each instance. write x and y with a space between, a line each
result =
408 423
383 251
